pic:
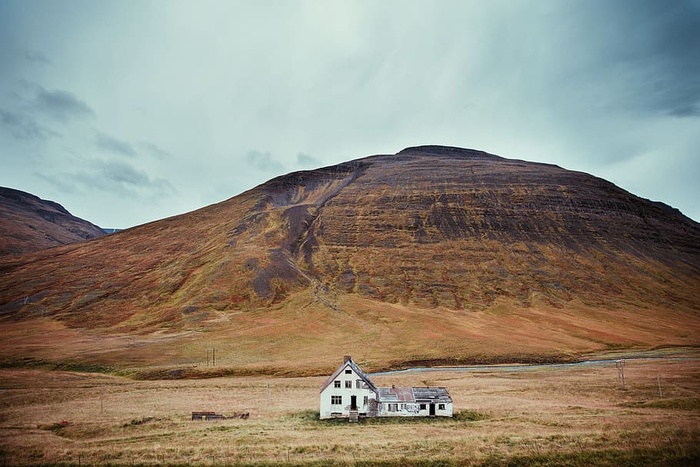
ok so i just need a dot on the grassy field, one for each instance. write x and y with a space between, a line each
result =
578 415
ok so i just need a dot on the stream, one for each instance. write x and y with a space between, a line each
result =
516 367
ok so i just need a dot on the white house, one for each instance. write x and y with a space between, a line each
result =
349 393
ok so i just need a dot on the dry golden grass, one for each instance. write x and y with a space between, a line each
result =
577 415
303 336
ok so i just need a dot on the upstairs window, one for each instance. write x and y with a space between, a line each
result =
348 384
336 400
348 371
336 384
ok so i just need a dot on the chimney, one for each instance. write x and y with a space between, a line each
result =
347 358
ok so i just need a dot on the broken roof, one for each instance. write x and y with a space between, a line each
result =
419 395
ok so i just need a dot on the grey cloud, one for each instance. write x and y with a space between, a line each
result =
125 176
115 145
156 151
62 182
36 57
687 111
264 161
650 53
61 105
113 176
120 172
22 127
306 160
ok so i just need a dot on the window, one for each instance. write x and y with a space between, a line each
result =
358 384
422 406
365 401
441 406
336 400
392 407
348 384
348 371
336 384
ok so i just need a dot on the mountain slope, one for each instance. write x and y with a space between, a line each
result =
434 253
28 223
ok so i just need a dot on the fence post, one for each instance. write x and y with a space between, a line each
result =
620 365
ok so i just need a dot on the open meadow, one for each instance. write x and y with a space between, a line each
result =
570 415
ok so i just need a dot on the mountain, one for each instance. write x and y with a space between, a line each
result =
28 223
434 254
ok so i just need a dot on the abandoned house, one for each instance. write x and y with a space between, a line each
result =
349 393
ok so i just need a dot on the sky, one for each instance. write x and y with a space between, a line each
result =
130 111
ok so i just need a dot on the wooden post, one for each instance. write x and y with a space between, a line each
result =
658 383
620 364
102 400
211 356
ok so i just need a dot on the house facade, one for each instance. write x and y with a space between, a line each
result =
349 393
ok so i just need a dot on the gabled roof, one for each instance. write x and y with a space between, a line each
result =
349 363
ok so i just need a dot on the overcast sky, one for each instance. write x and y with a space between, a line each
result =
129 111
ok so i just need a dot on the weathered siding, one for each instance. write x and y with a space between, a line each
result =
364 395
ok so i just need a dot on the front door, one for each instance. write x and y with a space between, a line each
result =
432 410
353 402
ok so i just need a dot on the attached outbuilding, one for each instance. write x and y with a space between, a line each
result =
349 393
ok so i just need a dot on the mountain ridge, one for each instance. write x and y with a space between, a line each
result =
429 254
29 223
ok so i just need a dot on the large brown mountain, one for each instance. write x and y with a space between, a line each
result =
432 254
28 223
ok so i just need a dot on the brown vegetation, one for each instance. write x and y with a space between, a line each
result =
431 255
578 415
29 224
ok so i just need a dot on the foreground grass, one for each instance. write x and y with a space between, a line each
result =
573 417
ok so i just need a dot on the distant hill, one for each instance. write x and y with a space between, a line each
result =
434 254
28 223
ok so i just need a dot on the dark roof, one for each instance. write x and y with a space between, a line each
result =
356 369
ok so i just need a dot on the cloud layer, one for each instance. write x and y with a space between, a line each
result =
110 109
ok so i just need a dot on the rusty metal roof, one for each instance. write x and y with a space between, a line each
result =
420 395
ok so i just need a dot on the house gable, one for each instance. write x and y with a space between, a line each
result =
349 364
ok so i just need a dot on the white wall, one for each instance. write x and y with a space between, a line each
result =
327 409
413 410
